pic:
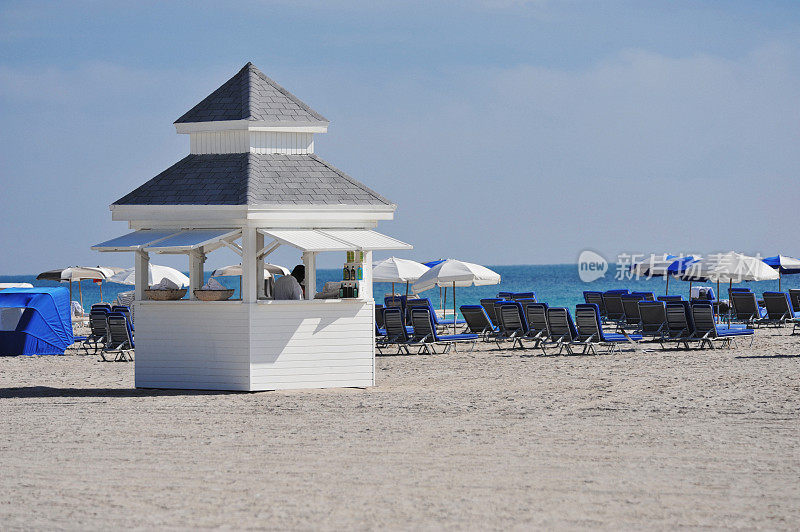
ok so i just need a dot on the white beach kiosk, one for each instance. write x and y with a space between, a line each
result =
252 183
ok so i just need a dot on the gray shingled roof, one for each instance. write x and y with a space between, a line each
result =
252 179
250 95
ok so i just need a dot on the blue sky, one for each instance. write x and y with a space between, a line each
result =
506 131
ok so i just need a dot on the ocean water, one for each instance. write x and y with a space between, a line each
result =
555 284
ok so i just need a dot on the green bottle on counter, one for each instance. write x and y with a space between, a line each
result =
346 273
355 291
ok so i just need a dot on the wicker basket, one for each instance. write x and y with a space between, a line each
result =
213 295
165 295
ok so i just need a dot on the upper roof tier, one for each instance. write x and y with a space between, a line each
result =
250 95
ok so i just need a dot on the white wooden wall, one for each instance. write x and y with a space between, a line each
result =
269 345
312 344
277 142
237 141
242 141
192 345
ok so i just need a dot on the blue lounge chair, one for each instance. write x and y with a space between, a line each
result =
524 295
513 325
779 308
478 321
630 309
707 331
646 296
488 305
424 302
538 331
427 338
680 324
120 338
669 299
379 315
745 307
98 331
591 297
794 297
504 295
612 299
653 316
591 333
396 331
562 330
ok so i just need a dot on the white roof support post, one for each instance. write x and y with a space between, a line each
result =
141 274
196 261
249 252
260 293
310 262
366 285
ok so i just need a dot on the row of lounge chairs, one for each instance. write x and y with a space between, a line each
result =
423 334
523 321
111 333
776 308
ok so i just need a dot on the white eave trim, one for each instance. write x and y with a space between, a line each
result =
251 125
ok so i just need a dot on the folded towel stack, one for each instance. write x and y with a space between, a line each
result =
165 284
213 284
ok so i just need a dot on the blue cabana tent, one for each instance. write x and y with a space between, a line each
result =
35 321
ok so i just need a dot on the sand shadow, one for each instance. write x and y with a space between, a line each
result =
31 392
768 356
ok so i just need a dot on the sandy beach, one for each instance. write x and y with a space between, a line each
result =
468 440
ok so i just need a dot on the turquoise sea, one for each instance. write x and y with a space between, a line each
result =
555 284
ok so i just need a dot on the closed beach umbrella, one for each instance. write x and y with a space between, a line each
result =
395 270
78 273
783 265
456 273
155 275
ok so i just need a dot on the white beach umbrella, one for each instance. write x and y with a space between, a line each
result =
236 269
395 270
155 275
456 273
728 268
78 273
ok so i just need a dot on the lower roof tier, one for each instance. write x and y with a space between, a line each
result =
253 179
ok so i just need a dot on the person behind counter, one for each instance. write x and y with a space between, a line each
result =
288 286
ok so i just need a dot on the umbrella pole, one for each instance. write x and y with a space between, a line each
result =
454 307
779 280
101 291
690 290
667 291
406 289
730 285
70 290
80 291
392 291
717 294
